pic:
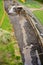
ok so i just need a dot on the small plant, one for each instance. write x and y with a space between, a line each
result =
17 57
4 37
20 63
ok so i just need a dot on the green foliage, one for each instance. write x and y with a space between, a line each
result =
7 49
1 9
4 37
19 0
31 4
7 53
39 15
6 24
40 1
18 57
20 63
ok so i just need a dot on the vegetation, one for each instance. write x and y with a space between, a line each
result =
31 4
31 0
40 1
1 10
7 50
6 24
39 15
4 20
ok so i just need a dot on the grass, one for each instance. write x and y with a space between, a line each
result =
1 10
6 24
39 15
31 4
8 55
